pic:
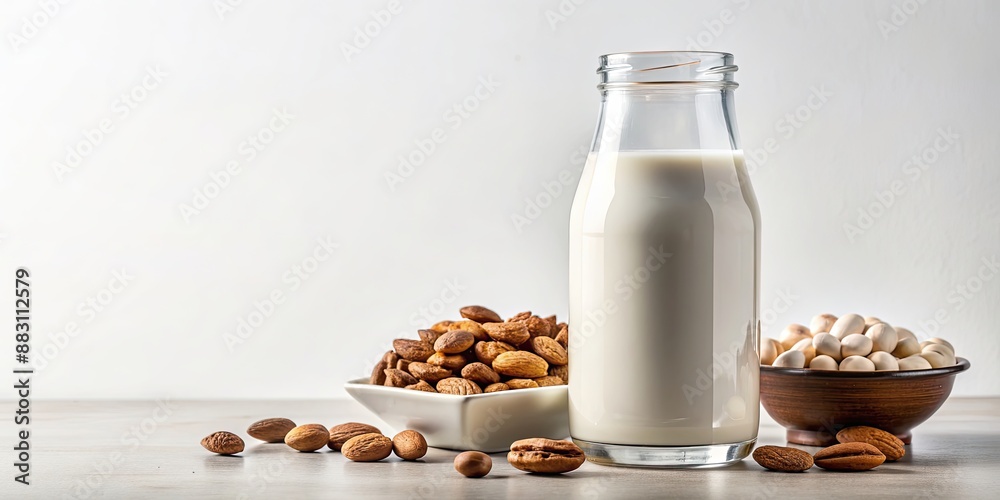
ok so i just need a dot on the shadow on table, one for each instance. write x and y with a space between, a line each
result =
223 463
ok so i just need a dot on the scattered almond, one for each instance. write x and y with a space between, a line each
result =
545 456
223 443
890 446
473 464
409 445
339 434
849 457
308 437
367 447
270 430
783 459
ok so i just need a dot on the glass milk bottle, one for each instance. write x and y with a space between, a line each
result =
665 269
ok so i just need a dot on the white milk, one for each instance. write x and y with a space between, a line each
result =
663 290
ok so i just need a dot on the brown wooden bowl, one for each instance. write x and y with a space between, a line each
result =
813 405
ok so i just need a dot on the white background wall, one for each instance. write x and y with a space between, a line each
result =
892 81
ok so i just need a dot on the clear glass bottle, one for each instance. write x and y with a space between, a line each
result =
664 269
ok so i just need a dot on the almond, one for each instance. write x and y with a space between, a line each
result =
472 327
404 364
890 446
545 456
413 350
480 314
549 380
521 383
428 372
480 374
367 447
458 386
521 316
473 464
270 430
454 342
308 437
409 445
563 336
849 457
223 443
497 387
421 386
429 336
339 434
390 358
486 352
553 325
398 378
783 459
526 346
511 333
561 372
441 326
449 361
520 364
378 373
550 350
538 327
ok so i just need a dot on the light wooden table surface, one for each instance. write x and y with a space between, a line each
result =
151 450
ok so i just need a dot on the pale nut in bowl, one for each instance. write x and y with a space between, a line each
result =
853 371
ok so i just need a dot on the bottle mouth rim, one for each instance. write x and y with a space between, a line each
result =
715 53
626 69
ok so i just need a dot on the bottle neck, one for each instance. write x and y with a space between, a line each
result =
667 117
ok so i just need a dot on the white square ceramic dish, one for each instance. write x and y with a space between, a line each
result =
484 422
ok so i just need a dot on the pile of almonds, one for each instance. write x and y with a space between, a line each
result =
861 448
366 443
854 343
480 353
